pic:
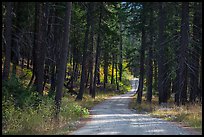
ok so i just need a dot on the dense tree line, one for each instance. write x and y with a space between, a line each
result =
76 43
170 35
64 44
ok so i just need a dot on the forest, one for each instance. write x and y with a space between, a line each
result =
59 59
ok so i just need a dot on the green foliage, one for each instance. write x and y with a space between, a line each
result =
15 89
25 112
23 115
27 72
70 110
38 120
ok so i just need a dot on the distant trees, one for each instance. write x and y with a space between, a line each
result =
37 43
161 43
172 60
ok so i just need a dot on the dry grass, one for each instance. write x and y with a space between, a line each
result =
189 115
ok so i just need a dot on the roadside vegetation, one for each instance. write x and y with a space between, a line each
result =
61 58
25 112
188 115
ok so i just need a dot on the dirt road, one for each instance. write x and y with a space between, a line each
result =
112 117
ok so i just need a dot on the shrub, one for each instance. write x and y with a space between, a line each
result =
26 120
71 110
13 87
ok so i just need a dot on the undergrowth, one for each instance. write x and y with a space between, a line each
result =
26 112
190 114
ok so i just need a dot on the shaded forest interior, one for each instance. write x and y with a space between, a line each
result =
94 47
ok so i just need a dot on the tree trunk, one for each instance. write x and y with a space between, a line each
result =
87 74
82 81
162 78
200 81
53 43
92 23
194 59
96 71
22 62
52 80
116 74
41 46
105 70
28 61
150 56
182 58
175 85
34 45
63 58
16 36
155 75
200 53
112 75
121 54
8 30
142 56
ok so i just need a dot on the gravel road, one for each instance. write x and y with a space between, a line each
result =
112 117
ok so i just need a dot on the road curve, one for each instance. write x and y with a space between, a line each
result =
112 117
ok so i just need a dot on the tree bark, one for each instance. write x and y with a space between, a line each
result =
142 56
8 30
53 43
116 74
34 45
63 58
16 36
105 69
150 56
112 75
41 46
155 74
162 78
183 56
194 57
121 54
96 70
92 23
82 81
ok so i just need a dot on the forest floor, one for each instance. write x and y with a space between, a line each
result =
113 116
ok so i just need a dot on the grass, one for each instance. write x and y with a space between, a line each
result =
189 115
40 120
86 104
